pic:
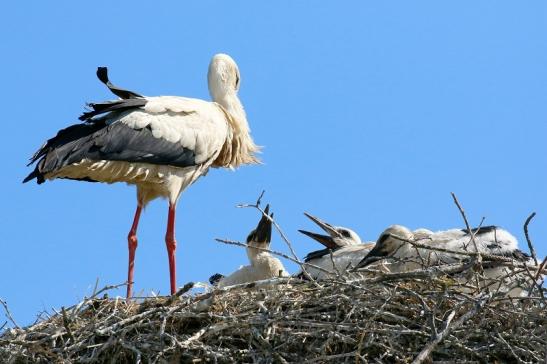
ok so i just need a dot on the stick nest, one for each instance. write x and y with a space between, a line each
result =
388 318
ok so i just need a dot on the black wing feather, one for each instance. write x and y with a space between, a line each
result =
481 230
319 253
102 141
102 75
109 106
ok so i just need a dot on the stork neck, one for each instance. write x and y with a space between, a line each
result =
232 104
239 148
253 253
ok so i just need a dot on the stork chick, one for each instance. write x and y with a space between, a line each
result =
346 247
159 144
263 264
394 244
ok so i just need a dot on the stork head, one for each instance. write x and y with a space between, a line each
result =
223 77
390 243
337 237
261 236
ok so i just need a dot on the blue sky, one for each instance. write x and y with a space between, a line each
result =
370 114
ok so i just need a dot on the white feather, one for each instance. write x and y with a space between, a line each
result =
407 257
263 266
344 259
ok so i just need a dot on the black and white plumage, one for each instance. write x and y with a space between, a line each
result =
393 245
346 247
160 144
263 265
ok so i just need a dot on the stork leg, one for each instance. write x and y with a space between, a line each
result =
171 244
132 245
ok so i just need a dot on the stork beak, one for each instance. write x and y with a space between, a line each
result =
263 232
377 253
326 240
328 228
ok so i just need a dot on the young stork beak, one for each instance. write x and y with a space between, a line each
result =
376 254
263 231
326 240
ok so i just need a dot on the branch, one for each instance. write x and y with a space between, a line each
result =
462 212
532 250
188 286
428 349
66 323
256 205
8 313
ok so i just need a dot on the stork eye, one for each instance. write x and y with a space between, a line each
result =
345 233
237 80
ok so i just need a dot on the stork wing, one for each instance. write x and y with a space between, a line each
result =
490 240
104 107
129 99
184 138
102 75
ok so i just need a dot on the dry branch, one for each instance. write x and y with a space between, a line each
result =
530 245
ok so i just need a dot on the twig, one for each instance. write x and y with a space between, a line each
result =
8 313
509 347
542 266
462 212
286 240
259 199
428 349
66 324
530 245
478 258
96 286
188 286
256 205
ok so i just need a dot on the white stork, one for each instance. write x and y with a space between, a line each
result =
263 264
394 244
160 144
346 247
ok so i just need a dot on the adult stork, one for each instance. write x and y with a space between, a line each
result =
160 144
345 245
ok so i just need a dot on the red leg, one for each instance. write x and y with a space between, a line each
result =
171 244
132 245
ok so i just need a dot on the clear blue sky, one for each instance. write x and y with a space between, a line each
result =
371 113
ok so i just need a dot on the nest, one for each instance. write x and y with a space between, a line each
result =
446 313
418 316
